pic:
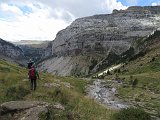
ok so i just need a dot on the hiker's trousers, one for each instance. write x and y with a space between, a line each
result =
33 84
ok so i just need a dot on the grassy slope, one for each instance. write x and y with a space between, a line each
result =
14 85
147 71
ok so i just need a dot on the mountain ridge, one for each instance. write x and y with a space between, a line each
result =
107 35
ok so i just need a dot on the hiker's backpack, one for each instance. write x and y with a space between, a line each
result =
32 73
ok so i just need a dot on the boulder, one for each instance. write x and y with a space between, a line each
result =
25 110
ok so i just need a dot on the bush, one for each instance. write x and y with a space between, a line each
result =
93 64
60 95
4 69
16 93
55 114
46 115
134 83
101 77
131 114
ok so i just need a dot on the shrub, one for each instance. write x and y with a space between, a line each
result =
131 114
108 72
93 64
134 83
55 114
60 95
153 59
4 69
16 93
46 115
101 77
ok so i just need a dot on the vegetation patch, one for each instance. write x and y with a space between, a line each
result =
131 114
16 93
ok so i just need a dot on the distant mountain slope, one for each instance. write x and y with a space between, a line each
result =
148 60
29 42
11 52
103 39
37 52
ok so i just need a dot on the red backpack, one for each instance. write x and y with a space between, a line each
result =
32 73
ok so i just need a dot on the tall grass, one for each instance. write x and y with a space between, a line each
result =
131 114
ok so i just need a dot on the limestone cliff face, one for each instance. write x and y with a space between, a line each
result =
104 33
10 51
107 36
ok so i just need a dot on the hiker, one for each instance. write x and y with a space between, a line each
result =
33 75
30 63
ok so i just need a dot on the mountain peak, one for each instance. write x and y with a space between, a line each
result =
140 9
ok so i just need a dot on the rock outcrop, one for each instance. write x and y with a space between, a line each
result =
104 35
22 110
26 110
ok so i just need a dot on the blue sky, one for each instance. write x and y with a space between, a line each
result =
139 2
42 19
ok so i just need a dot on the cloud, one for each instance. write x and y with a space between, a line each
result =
41 19
37 25
8 8
113 4
81 8
156 3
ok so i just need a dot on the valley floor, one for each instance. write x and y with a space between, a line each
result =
105 96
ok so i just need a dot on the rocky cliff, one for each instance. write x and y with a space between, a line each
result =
11 52
105 35
102 33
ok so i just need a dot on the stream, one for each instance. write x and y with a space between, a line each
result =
105 94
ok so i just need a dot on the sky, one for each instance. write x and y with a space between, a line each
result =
42 19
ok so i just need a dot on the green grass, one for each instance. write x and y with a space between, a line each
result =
131 114
147 71
79 85
145 65
14 85
146 93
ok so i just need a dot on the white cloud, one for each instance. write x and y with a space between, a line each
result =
45 18
6 8
81 8
38 25
156 3
113 4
